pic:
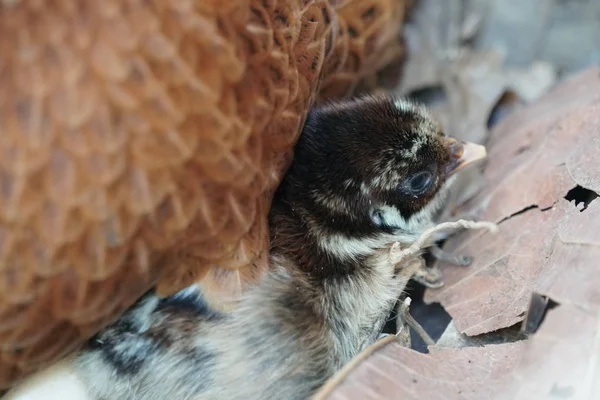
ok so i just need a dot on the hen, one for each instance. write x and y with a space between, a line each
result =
141 141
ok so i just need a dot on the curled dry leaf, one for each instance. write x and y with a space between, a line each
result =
545 245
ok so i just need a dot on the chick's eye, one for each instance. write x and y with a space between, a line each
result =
420 182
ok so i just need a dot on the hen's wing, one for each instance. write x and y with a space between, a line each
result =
140 142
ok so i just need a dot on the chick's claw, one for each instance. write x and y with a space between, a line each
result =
454 259
417 270
430 277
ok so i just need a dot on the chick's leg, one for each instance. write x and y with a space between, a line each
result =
402 326
404 323
417 270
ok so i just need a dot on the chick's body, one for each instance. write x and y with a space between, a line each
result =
367 173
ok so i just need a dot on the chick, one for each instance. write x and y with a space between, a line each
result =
367 173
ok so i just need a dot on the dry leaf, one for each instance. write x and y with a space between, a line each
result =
535 157
559 362
390 371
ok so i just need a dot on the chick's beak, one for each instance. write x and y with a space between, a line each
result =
463 154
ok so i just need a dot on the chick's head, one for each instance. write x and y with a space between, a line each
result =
380 160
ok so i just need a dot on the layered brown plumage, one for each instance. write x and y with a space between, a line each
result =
140 142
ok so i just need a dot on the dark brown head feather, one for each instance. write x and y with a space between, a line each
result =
353 158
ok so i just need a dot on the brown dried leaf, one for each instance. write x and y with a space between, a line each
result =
559 361
390 371
534 159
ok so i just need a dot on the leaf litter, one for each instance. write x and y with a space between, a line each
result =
531 169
